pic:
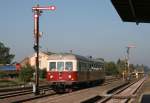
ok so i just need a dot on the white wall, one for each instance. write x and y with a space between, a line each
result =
42 60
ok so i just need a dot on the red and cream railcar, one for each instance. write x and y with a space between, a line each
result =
69 70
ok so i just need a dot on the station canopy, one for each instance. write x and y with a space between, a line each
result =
133 10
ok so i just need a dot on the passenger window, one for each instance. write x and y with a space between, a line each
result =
69 66
60 66
52 65
79 66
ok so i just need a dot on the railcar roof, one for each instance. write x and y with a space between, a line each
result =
70 56
66 56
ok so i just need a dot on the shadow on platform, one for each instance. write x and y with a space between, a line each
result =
146 98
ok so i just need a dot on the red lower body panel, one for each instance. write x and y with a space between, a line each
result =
56 76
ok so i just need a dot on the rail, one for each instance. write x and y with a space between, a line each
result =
127 94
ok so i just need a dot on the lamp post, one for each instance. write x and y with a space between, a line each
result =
37 13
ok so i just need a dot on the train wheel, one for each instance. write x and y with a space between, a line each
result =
69 90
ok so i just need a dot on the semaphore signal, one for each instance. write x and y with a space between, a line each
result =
37 13
44 8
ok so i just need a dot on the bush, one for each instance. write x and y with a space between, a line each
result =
3 75
111 68
26 73
42 73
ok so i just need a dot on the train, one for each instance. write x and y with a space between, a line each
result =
9 71
66 71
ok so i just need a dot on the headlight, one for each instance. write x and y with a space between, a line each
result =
51 76
69 76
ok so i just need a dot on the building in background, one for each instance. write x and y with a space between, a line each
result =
24 62
43 56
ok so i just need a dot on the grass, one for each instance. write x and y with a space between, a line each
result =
17 82
9 82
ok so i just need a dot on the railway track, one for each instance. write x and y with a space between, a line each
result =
35 97
16 96
125 94
80 95
75 95
116 95
21 94
110 80
18 89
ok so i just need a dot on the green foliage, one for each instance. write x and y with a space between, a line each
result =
5 57
26 73
42 73
111 68
3 75
121 65
9 82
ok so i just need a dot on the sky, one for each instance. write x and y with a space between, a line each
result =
87 27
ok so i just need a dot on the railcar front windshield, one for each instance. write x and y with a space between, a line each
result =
52 66
60 66
69 66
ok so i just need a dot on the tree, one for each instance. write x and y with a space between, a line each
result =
121 65
111 68
26 73
42 73
5 56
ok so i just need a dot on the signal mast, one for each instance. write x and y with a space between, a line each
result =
37 13
128 58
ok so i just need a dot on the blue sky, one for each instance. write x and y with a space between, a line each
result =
88 27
